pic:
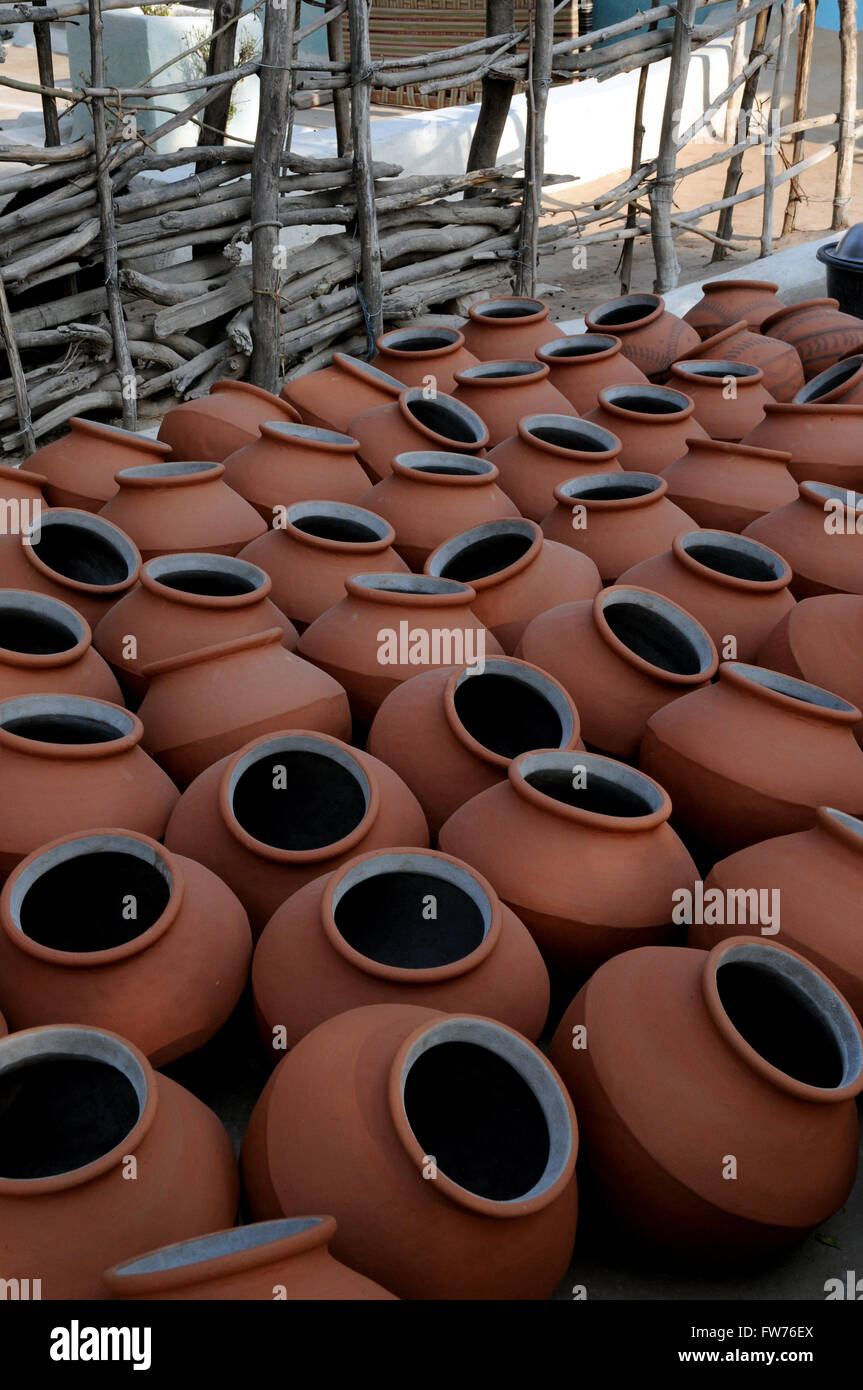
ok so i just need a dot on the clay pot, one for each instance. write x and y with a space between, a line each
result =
364 1092
287 1259
650 336
816 534
724 302
723 416
416 422
286 809
737 589
84 1112
508 329
615 520
214 426
46 646
778 360
172 508
295 463
430 496
745 1053
821 438
80 468
73 556
22 486
821 641
653 423
390 626
515 574
728 485
183 603
413 355
202 705
169 976
753 756
361 935
502 393
621 656
841 384
547 450
336 395
450 734
68 762
583 364
818 331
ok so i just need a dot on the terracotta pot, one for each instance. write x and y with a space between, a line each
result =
782 1052
169 976
650 335
288 1259
214 426
821 439
84 1112
336 395
295 463
841 384
818 331
172 508
364 1092
73 556
816 534
778 360
416 422
450 734
46 646
515 574
499 329
3 1029
615 520
286 809
737 589
318 544
621 656
390 626
69 763
724 302
729 485
821 641
709 384
413 355
183 603
653 423
80 468
205 704
583 364
22 486
547 450
753 756
502 393
430 496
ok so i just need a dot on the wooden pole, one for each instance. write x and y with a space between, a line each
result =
738 51
45 63
361 134
496 95
16 371
638 134
771 144
845 161
341 99
534 146
662 189
801 104
220 58
734 172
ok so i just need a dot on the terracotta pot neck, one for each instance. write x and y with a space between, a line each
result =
111 434
501 376
507 668
612 492
369 375
237 646
712 372
590 790
338 527
504 313
655 406
846 830
407 344
489 554
257 393
733 562
832 384
786 693
169 475
300 439
717 286
654 636
563 437
38 633
96 557
67 727
580 349
215 582
439 469
626 314
723 339
448 423
416 591
12 474
792 311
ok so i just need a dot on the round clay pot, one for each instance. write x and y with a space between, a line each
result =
653 423
841 384
820 640
499 329
414 355
778 360
819 332
502 393
816 534
46 646
389 1090
450 734
23 486
390 626
650 336
107 928
84 1109
515 574
286 809
696 1059
336 395
621 656
821 438
69 762
80 468
183 603
202 705
753 756
547 450
729 397
73 556
430 496
415 421
724 302
615 520
728 485
214 426
736 588
583 364
170 508
295 463
287 1259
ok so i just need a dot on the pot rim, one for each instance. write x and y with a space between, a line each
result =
655 301
250 641
433 593
344 510
804 304
709 371
70 618
177 474
753 680
299 436
452 340
568 494
480 313
569 423
468 417
841 826
724 335
521 372
728 446
807 409
691 628
732 541
87 521
554 759
816 493
609 396
216 564
37 480
714 285
247 388
477 471
78 424
527 674
555 353
512 525
832 394
366 372
129 737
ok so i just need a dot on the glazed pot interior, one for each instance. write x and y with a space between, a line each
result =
64 719
580 345
510 709
612 487
454 465
447 418
660 633
337 521
631 308
496 370
793 689
419 339
483 551
210 576
298 793
509 308
85 549
604 788
580 436
166 471
647 400
736 556
829 380
236 1241
35 625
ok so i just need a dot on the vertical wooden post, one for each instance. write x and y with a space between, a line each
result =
738 51
220 58
638 133
16 371
801 106
341 96
734 172
45 63
847 112
496 98
771 145
662 188
361 134
534 146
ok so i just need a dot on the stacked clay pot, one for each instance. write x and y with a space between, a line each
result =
729 397
583 364
214 426
46 646
169 508
653 423
512 329
295 463
503 393
424 356
24 486
729 485
841 384
415 421
616 520
724 302
333 397
778 360
820 436
76 557
819 537
650 335
819 332
547 450
80 469
820 640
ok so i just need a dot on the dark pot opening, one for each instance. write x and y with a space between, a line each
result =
60 728
61 1113
734 561
569 437
335 528
498 370
489 554
829 380
507 715
775 1016
632 309
587 345
413 340
27 630
445 420
316 801
658 401
381 917
657 638
612 487
512 309
211 583
82 903
718 369
602 795
80 553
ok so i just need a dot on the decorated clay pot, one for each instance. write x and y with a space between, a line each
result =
547 450
415 421
73 556
502 393
46 646
729 397
820 437
818 331
295 463
820 640
582 365
616 520
450 734
778 360
169 508
22 486
724 302
109 929
414 355
86 1119
621 656
841 384
729 485
387 1089
817 535
214 426
653 423
508 329
80 468
651 337
336 395
286 809
704 1067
